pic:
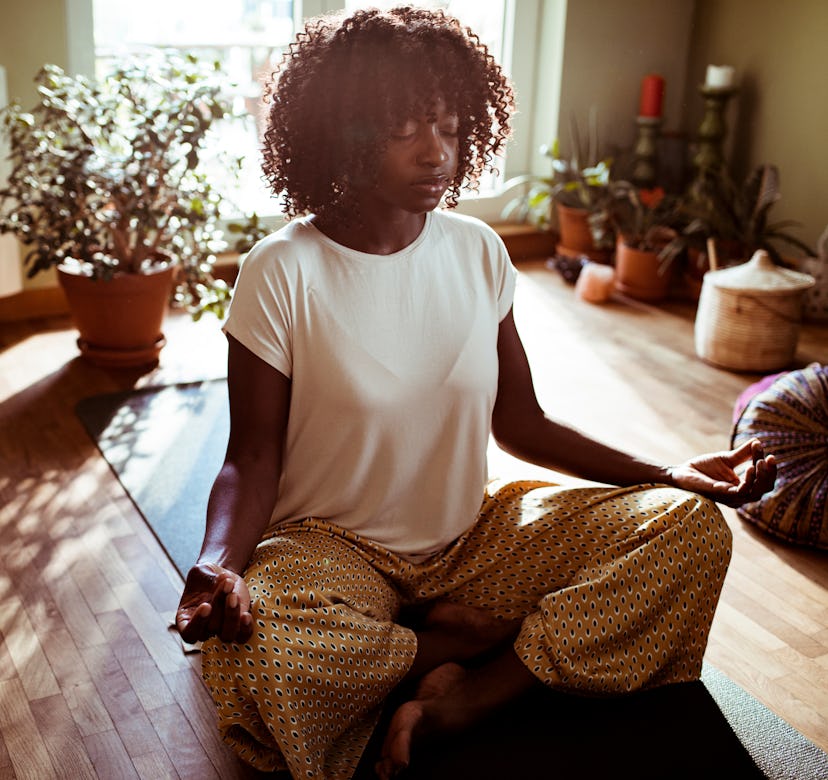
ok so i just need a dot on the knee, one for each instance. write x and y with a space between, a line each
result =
706 529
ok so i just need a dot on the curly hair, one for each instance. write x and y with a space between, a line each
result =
345 83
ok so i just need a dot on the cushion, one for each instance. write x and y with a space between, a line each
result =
790 418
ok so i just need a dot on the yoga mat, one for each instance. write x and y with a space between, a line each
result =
166 444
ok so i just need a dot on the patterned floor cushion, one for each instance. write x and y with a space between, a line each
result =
790 417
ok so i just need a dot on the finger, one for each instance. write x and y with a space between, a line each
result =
231 618
246 627
742 453
193 627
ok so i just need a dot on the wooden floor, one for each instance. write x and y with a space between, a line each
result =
93 683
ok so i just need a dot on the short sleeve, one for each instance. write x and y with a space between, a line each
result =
506 295
504 272
260 315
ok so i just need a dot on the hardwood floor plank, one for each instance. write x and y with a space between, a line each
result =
87 708
151 628
196 703
109 756
144 677
181 743
155 766
23 740
34 671
77 616
784 627
62 739
64 658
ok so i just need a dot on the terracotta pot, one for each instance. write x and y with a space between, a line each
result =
120 319
576 237
637 273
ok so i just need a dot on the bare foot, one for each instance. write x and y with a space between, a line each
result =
448 699
429 711
455 632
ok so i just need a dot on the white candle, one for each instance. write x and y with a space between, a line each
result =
720 76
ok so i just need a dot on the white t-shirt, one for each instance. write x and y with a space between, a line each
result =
393 362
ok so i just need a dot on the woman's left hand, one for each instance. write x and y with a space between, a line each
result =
714 475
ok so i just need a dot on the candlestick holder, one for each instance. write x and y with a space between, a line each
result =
645 165
713 129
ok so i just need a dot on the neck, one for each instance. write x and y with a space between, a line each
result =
375 234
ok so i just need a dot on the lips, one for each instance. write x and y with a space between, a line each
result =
431 184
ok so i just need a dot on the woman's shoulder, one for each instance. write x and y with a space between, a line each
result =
463 223
472 232
281 249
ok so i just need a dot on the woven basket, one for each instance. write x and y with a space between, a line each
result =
790 418
749 315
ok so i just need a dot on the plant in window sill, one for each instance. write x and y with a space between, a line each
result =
106 186
248 233
575 192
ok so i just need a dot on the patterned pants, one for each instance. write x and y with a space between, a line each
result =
616 589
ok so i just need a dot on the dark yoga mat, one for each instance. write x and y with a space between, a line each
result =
166 445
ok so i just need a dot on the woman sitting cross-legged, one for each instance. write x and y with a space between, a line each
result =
372 352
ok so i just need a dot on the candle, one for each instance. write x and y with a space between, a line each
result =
595 283
719 76
652 95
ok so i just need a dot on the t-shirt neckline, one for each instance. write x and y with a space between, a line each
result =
355 254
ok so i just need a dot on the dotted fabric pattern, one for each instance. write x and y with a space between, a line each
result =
790 418
616 587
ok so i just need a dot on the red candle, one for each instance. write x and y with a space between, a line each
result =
652 95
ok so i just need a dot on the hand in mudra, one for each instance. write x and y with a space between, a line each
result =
215 602
714 475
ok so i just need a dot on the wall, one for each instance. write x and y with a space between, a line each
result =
609 47
780 115
32 32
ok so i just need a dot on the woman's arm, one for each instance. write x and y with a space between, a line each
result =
215 599
522 428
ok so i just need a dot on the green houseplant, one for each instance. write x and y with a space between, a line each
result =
736 216
647 225
107 186
571 197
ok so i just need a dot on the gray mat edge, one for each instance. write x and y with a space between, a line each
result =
777 748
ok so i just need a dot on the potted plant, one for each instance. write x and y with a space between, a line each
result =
574 194
647 225
737 216
106 185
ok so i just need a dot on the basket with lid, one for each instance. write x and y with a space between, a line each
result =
749 315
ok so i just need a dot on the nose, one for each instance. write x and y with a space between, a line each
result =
434 148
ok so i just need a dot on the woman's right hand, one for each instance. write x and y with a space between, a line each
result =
215 602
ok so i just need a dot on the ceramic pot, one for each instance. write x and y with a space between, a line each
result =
576 236
640 273
119 320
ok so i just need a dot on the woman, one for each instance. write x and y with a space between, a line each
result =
350 546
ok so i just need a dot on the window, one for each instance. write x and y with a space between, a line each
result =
247 37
